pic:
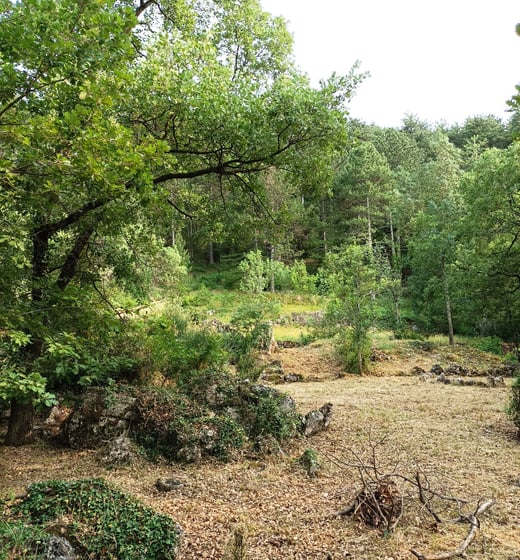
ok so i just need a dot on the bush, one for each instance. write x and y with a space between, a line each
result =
162 417
176 349
21 540
491 344
100 520
252 331
271 413
353 349
215 414
169 421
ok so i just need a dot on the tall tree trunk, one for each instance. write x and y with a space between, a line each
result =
272 257
392 242
21 418
20 428
211 255
324 231
451 337
369 229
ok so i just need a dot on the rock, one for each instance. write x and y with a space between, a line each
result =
436 369
118 451
53 425
287 404
317 420
293 377
309 461
417 370
268 445
165 484
507 370
59 548
189 454
99 417
496 381
441 378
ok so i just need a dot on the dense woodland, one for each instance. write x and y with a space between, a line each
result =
145 145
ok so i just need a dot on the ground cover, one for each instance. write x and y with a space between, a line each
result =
458 436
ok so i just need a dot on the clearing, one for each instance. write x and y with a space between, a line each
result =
458 436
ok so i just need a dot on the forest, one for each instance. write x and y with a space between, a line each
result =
173 188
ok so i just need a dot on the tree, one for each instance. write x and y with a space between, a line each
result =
351 278
491 230
489 131
360 195
104 108
433 247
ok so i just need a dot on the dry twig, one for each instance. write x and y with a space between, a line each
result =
474 521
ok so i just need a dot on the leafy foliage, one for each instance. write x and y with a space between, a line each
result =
103 521
19 539
351 277
115 114
214 413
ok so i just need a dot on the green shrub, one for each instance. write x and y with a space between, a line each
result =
231 436
102 521
309 461
169 420
491 344
163 418
215 412
353 349
270 415
254 269
177 349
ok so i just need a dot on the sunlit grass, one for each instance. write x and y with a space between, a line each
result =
289 332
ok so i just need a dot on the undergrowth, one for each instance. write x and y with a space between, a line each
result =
99 521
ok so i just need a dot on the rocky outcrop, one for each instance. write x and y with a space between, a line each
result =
100 417
119 451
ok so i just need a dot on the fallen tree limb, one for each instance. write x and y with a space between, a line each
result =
473 520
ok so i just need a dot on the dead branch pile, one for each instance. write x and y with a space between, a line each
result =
379 502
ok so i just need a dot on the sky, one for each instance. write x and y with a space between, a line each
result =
441 60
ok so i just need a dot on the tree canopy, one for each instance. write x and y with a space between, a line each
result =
107 109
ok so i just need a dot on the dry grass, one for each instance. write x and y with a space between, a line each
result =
459 436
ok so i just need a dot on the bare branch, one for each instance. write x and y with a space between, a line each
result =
474 521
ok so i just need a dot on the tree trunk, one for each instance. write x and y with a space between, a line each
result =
392 242
370 242
20 430
324 230
272 255
211 255
447 301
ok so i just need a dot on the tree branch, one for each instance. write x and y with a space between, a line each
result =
68 270
474 522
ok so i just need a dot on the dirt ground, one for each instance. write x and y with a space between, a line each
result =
457 436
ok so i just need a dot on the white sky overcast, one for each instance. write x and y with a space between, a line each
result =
442 60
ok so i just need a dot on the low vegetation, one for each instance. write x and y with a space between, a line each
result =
101 521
